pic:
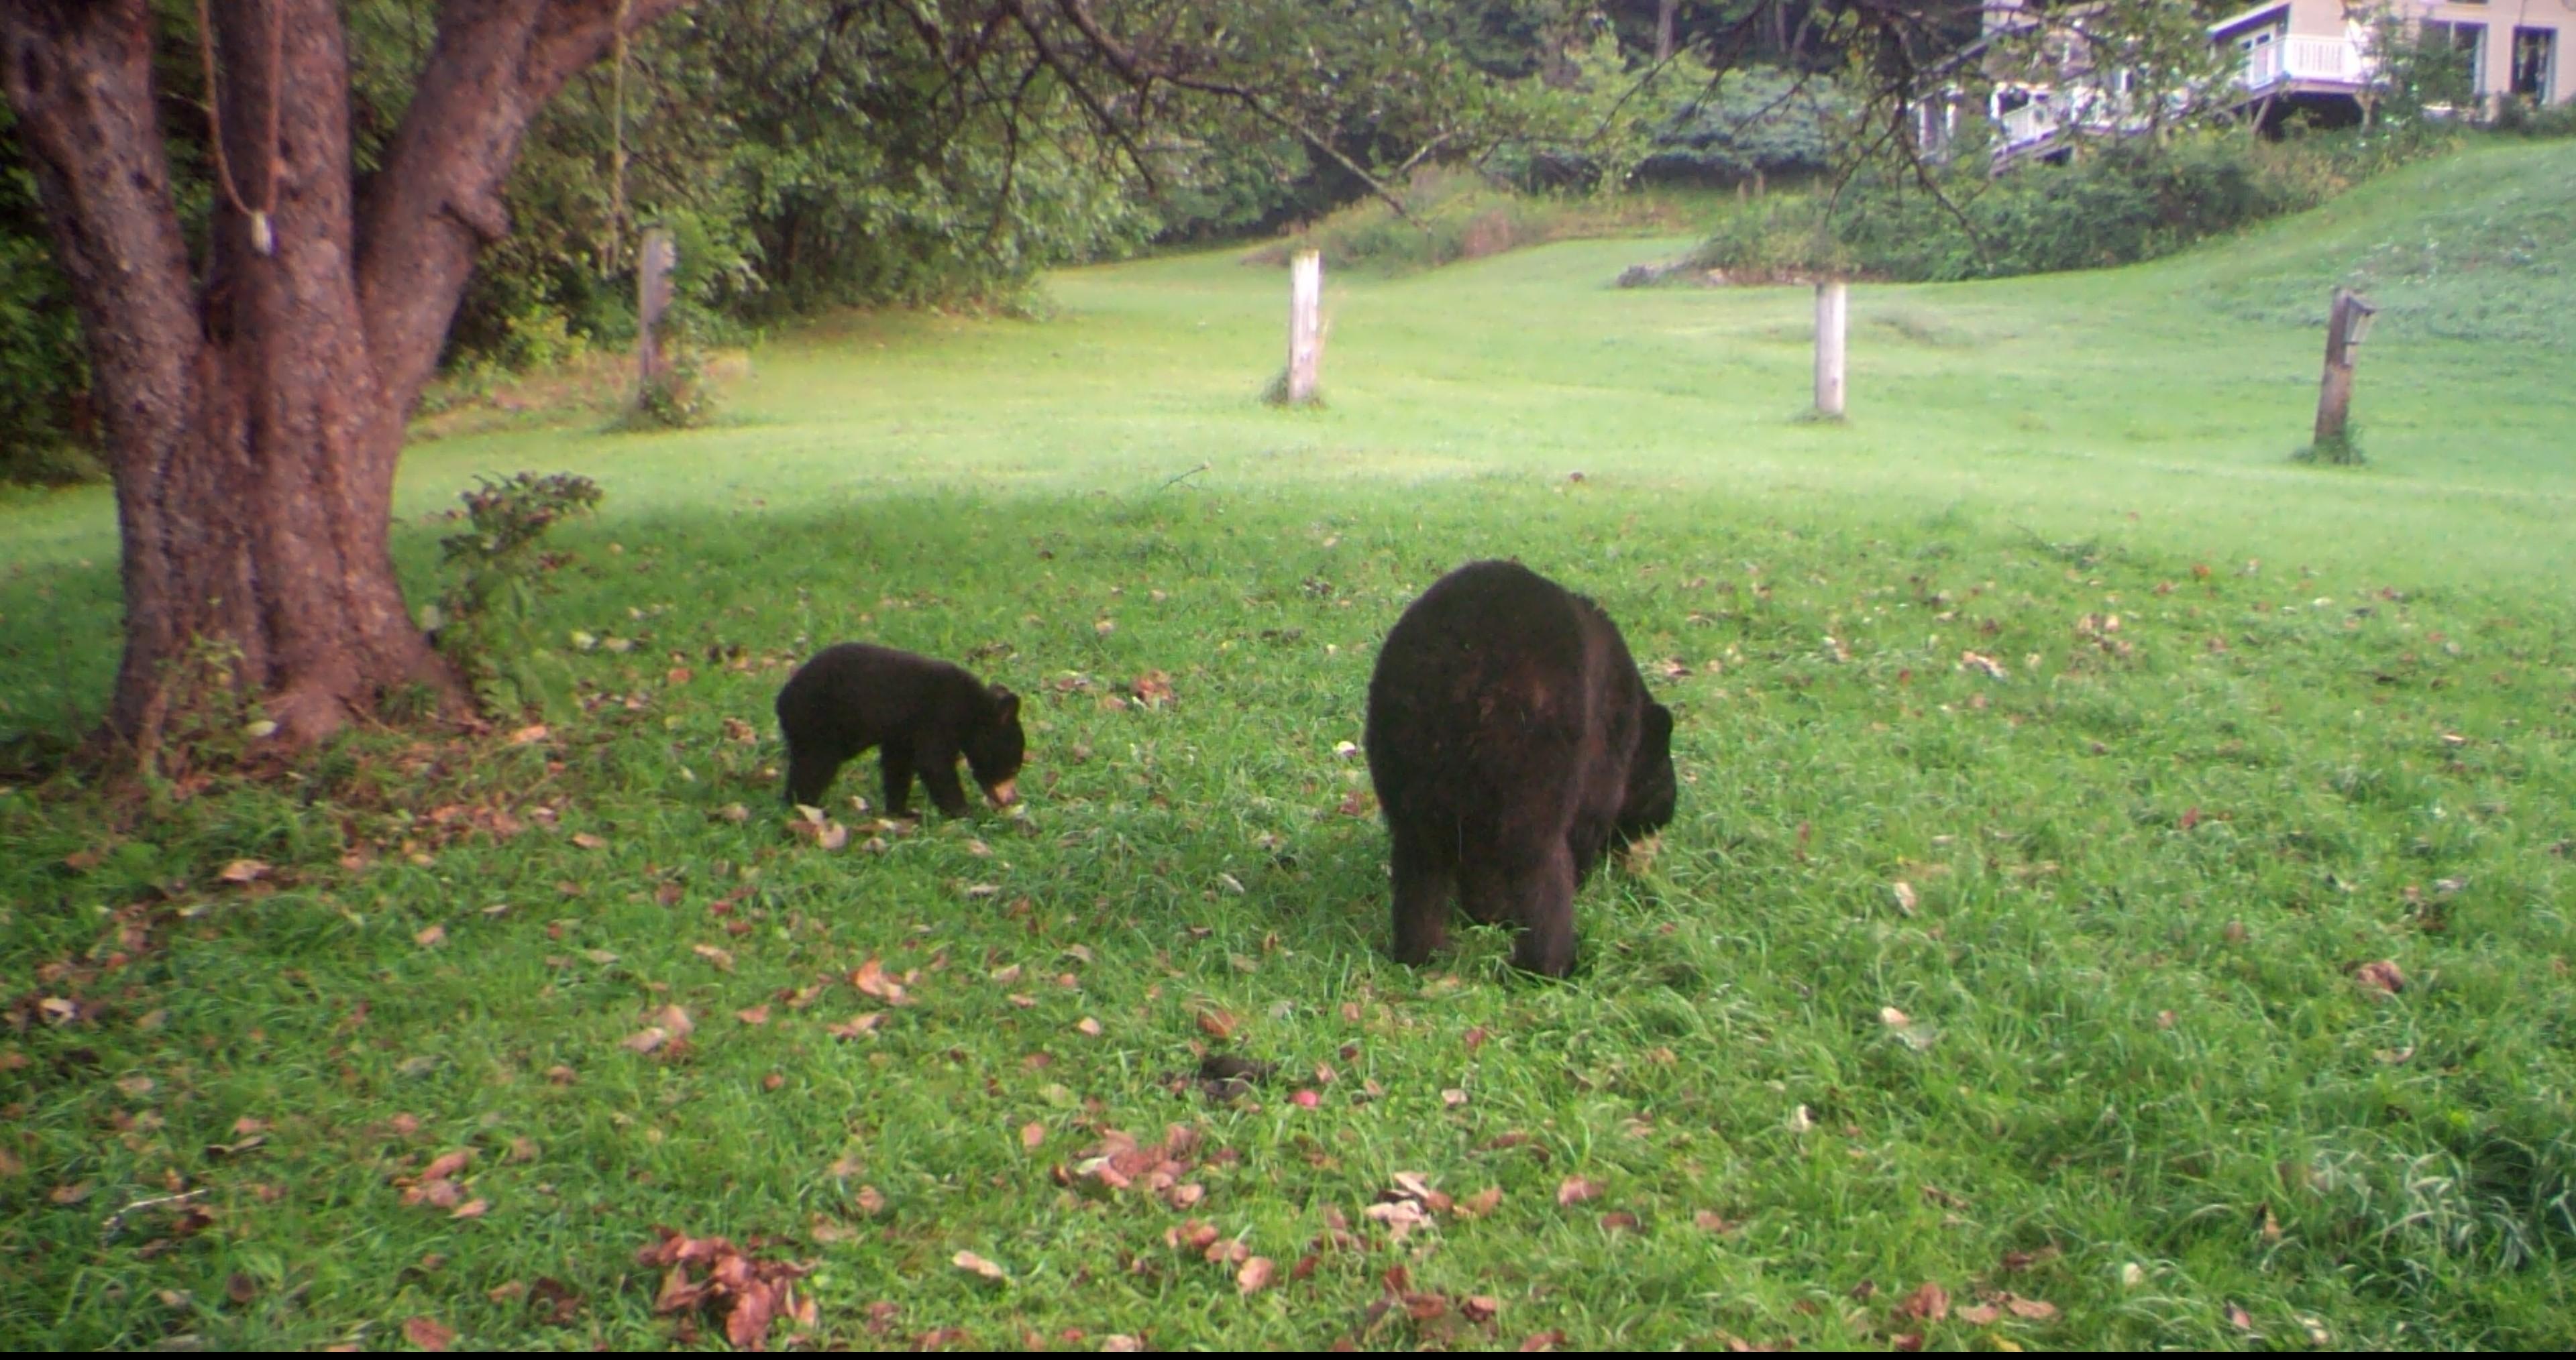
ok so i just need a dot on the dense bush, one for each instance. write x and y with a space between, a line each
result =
1756 121
1459 215
2115 203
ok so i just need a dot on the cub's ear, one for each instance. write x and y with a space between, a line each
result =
1659 726
1006 705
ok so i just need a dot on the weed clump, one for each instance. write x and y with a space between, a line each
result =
483 622
677 398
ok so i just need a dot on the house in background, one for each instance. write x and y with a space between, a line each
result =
2308 57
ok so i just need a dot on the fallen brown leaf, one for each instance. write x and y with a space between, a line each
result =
976 1265
1032 1135
1929 1302
856 1025
756 1015
871 980
428 1335
1255 1275
2382 976
245 871
1577 1190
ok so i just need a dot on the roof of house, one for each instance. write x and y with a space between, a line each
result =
2245 17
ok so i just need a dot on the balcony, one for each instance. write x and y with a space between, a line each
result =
2325 61
2032 122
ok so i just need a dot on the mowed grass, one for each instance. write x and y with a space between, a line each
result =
2113 1058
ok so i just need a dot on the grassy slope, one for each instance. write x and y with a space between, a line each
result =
2291 773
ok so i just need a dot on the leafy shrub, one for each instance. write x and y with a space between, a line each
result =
1754 120
1459 215
2115 203
677 398
483 622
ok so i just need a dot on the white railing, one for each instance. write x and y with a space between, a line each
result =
2336 60
2030 123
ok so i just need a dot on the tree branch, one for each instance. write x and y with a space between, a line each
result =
438 200
1137 73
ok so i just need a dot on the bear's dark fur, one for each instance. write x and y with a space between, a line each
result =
1511 740
924 713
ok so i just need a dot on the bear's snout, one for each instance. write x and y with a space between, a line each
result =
1003 794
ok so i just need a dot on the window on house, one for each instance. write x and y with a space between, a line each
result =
2470 41
2535 59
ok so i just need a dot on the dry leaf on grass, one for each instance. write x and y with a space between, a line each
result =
749 1293
248 871
428 1335
976 1265
871 979
1577 1190
1929 1301
2380 976
1255 1275
856 1025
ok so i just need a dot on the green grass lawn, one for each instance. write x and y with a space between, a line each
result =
2110 1054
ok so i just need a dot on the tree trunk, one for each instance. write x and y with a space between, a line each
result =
1664 29
255 416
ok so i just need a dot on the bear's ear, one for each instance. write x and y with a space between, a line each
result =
1658 734
1006 705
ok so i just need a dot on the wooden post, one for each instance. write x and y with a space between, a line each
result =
1833 300
2344 323
652 299
1305 325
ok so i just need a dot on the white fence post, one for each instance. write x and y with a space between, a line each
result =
1832 307
1305 325
652 299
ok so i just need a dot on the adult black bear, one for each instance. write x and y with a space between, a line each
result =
1511 740
924 713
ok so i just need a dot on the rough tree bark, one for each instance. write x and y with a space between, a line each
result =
254 415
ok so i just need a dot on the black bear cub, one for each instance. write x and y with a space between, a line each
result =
924 713
1511 740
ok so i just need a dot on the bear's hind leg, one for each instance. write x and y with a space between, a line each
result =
1424 883
1538 896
